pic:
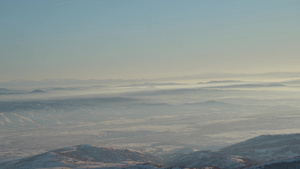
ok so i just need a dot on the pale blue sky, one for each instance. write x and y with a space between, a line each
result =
100 39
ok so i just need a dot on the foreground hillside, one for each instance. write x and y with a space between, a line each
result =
87 156
263 152
82 156
250 152
288 163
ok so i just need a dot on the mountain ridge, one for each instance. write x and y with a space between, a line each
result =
230 157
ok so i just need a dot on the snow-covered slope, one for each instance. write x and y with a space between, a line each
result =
286 163
243 154
202 159
82 156
250 154
266 147
45 160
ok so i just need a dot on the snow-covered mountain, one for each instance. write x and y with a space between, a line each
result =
82 156
205 158
266 147
250 152
263 152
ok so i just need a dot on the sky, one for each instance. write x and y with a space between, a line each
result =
128 39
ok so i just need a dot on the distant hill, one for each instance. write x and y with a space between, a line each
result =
38 91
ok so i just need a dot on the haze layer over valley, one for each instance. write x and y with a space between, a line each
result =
157 118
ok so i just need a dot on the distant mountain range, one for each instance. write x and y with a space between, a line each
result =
157 81
60 82
263 152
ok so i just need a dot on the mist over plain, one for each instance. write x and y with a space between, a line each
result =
158 117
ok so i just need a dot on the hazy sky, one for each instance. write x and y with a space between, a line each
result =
101 39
